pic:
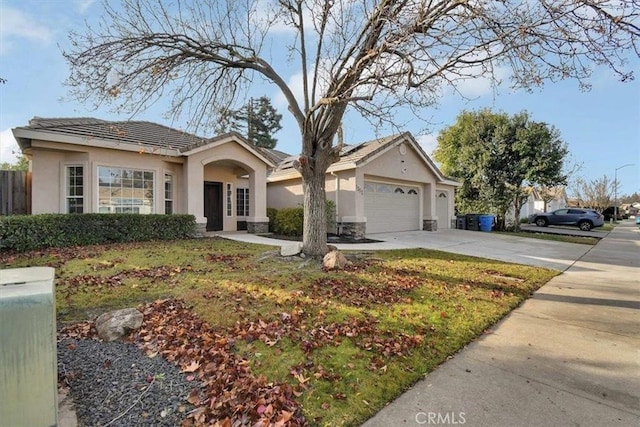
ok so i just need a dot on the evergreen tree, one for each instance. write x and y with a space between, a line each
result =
258 121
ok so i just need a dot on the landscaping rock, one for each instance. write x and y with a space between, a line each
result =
334 260
114 325
291 250
331 248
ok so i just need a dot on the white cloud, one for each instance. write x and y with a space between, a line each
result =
428 143
15 24
9 150
296 85
481 83
84 5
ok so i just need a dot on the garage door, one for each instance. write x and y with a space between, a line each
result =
390 207
442 210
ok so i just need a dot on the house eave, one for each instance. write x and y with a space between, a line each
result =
25 136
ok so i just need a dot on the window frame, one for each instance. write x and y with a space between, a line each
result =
229 199
171 198
246 193
67 188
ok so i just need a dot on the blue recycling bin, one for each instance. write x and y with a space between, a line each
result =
485 222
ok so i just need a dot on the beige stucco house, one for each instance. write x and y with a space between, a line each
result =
385 185
85 165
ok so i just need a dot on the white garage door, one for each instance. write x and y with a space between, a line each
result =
390 207
442 210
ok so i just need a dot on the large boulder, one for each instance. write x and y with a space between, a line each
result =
291 250
116 324
334 260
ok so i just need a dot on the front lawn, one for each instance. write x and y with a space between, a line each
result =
339 345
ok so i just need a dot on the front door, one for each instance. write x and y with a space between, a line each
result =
213 205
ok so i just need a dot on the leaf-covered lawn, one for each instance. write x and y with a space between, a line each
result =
268 339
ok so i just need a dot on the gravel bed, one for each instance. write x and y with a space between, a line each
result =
116 384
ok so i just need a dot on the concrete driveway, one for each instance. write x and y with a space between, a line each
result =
521 250
598 232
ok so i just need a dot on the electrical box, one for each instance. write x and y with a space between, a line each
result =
28 361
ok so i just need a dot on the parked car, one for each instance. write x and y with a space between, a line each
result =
610 212
586 219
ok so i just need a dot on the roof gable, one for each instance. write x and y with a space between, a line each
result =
358 155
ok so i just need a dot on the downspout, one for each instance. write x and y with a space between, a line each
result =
338 223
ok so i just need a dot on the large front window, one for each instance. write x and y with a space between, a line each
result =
242 202
125 190
75 189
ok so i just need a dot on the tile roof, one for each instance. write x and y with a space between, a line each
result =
143 133
132 132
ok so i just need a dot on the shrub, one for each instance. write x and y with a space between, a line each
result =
289 222
271 213
27 232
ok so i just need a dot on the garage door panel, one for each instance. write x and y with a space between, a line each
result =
389 211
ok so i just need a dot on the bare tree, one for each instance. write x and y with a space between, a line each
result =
368 55
595 194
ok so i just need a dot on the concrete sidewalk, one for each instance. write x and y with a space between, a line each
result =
568 356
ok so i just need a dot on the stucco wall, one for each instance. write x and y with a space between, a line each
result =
51 159
285 194
392 164
289 193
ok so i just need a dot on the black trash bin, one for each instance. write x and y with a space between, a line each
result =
461 222
472 222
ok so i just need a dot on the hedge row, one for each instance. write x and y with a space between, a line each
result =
27 232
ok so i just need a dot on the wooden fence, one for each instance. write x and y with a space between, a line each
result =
15 192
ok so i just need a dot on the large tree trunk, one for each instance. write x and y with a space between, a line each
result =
314 240
317 155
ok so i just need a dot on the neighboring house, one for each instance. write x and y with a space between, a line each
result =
384 185
84 165
552 199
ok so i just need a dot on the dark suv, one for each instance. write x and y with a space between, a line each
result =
610 212
586 219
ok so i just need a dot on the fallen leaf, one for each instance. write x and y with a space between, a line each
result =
192 367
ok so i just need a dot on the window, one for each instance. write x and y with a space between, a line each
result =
125 190
229 200
398 190
242 202
412 191
75 189
168 193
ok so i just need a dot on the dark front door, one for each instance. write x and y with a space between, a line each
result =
213 205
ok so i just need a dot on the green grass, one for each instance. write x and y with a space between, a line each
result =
351 340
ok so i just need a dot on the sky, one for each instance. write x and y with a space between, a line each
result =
601 127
